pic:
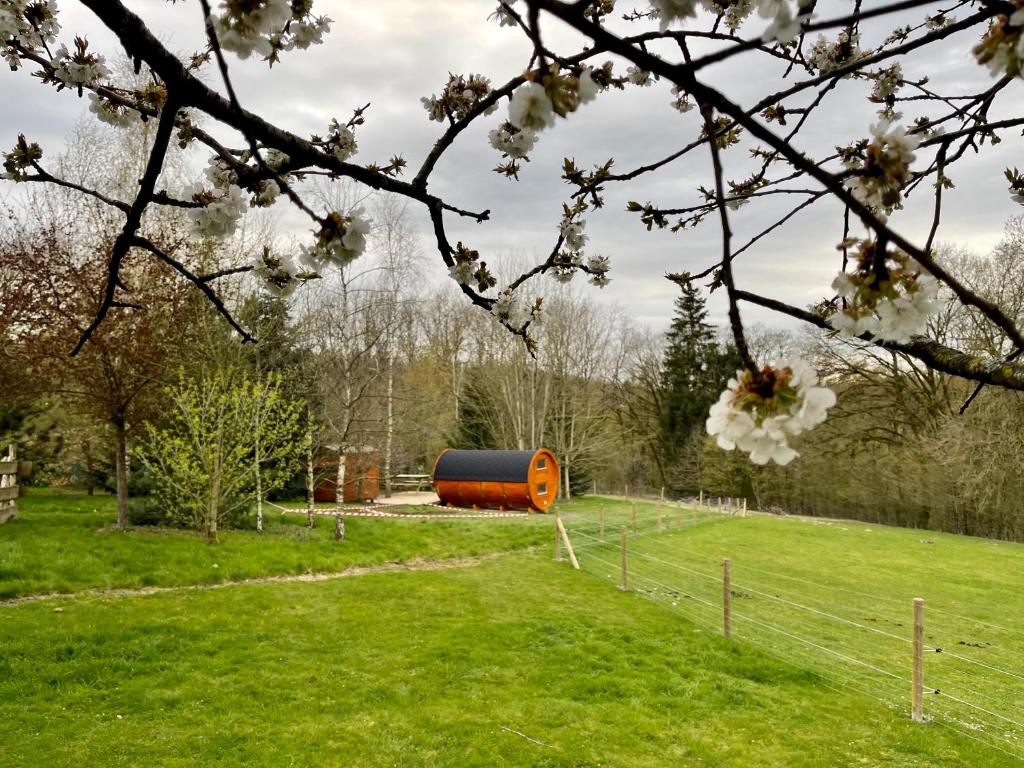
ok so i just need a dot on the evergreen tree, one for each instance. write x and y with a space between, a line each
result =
696 368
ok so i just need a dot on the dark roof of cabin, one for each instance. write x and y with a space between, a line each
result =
483 466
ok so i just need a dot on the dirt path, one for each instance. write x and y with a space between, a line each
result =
417 564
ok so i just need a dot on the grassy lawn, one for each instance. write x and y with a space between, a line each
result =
422 669
64 542
836 597
518 661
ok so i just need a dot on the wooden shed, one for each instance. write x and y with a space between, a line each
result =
362 477
497 479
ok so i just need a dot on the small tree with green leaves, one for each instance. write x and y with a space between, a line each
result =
226 437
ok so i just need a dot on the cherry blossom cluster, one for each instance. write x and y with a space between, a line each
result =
278 273
826 56
112 113
503 16
887 82
267 27
511 141
30 25
508 308
570 258
784 25
341 139
458 98
891 298
681 102
79 68
1016 179
219 211
886 168
340 240
760 411
24 156
1002 47
470 268
548 93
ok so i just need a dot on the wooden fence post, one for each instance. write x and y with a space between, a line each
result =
602 525
700 501
726 600
9 485
663 493
719 505
917 682
633 511
624 585
744 506
565 540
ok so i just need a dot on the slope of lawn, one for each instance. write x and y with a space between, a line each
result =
836 597
65 542
516 662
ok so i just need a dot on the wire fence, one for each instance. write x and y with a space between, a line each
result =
970 682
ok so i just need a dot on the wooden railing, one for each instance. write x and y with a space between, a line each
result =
9 485
411 482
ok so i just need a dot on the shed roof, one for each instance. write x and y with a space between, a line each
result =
483 466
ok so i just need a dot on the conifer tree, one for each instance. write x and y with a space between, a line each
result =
695 369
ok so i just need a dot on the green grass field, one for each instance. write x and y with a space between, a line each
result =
514 661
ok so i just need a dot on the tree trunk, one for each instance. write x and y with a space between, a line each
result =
389 433
339 497
567 494
310 482
259 488
121 467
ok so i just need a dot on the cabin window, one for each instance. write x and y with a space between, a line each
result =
542 489
542 463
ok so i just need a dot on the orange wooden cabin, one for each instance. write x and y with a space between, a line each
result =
362 477
497 479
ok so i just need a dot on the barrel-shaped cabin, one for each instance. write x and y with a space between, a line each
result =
525 480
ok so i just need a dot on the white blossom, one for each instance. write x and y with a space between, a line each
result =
79 69
110 113
275 159
278 274
341 240
509 309
682 101
588 89
531 108
761 424
572 232
639 77
671 10
344 143
512 142
462 272
502 16
307 33
266 193
245 29
887 82
219 217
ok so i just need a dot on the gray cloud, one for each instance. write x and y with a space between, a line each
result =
392 52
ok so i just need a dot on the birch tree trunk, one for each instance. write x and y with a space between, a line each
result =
339 495
310 481
389 428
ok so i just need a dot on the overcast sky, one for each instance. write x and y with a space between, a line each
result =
392 52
